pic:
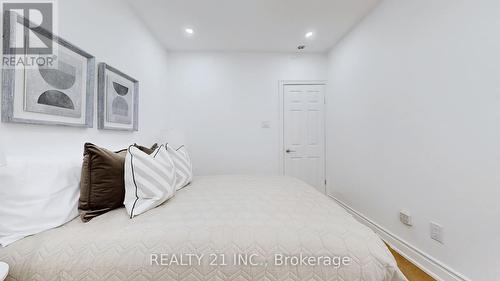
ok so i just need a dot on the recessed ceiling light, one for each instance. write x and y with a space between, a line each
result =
309 34
189 31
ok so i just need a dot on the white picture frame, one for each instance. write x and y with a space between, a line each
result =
118 100
16 82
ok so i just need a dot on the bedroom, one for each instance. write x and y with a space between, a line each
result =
406 154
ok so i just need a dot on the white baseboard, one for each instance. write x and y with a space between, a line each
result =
428 264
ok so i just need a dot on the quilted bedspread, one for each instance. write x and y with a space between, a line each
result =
218 228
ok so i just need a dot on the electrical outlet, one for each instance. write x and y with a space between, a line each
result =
405 217
436 232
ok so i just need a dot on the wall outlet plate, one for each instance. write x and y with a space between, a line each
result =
405 217
436 232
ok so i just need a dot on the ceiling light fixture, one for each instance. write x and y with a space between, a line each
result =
189 31
309 34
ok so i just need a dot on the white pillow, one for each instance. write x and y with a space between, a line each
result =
183 166
149 180
36 196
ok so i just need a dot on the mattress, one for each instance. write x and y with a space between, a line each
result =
218 228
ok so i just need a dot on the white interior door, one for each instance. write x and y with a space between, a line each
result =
304 133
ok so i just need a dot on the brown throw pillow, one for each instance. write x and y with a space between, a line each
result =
102 186
145 149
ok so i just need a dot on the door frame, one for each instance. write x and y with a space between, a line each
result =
281 94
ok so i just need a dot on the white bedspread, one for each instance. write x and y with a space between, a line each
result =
258 217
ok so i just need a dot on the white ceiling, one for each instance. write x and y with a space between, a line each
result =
251 25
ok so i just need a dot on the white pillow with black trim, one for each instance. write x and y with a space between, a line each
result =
183 166
149 180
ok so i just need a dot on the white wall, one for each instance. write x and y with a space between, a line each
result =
413 122
218 101
111 32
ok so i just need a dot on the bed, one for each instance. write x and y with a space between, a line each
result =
233 228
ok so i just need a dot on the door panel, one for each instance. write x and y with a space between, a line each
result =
304 133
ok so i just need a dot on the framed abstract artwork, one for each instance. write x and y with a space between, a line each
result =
118 100
60 93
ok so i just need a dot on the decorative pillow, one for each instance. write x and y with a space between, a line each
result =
183 166
102 186
149 180
147 150
37 195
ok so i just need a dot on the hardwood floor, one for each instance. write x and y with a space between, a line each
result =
411 272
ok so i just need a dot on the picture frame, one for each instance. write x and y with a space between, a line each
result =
118 100
48 96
